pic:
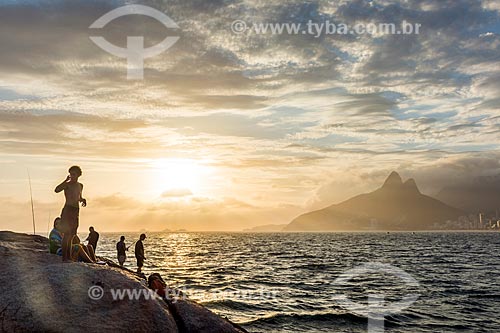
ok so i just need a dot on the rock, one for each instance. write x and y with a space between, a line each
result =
393 181
24 241
410 186
193 317
41 293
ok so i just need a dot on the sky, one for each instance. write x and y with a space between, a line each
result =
229 130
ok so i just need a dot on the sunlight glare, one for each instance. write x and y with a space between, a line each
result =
178 176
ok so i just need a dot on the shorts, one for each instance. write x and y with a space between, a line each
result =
121 259
70 219
140 262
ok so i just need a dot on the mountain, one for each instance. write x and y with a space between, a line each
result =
266 228
482 194
394 206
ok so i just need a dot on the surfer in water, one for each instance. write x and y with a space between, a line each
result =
71 210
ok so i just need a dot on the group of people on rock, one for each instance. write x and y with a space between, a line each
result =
78 251
63 239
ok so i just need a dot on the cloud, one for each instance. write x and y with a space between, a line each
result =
115 202
173 193
431 176
288 118
118 212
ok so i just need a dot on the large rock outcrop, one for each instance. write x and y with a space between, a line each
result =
40 293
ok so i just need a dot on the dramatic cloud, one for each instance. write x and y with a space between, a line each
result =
270 120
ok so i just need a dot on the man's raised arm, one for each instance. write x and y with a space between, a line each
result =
62 186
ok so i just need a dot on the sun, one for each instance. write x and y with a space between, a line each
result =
178 176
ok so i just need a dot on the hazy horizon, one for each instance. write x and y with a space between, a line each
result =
231 131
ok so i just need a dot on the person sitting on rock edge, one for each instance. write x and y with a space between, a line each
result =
55 238
81 252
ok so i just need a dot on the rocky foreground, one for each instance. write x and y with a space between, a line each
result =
40 293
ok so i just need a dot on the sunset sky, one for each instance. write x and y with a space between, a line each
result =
229 131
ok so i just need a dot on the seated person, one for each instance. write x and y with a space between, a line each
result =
81 252
55 238
156 282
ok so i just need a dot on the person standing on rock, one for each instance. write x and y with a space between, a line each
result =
71 210
120 249
139 253
93 238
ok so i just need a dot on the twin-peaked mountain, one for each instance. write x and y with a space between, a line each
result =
394 206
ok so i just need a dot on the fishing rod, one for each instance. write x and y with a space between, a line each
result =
128 247
32 207
48 222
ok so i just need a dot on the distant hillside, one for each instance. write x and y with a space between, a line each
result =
394 206
266 228
480 195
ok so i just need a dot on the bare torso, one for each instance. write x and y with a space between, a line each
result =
73 194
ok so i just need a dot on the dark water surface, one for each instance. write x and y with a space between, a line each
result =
285 282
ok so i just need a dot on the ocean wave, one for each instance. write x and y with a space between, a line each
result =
485 296
315 267
307 318
237 305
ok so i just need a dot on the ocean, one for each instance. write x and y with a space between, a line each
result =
291 282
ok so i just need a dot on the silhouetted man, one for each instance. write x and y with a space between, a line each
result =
93 238
120 249
71 210
139 253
